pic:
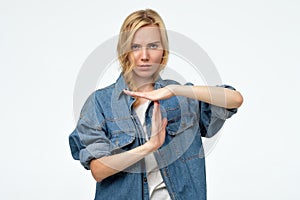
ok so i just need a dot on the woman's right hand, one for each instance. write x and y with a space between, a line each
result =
158 129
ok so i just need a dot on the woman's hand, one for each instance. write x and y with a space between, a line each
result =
158 129
154 95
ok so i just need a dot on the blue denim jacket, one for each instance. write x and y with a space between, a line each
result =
108 124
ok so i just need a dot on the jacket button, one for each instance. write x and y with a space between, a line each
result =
145 179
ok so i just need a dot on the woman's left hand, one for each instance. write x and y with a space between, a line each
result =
154 95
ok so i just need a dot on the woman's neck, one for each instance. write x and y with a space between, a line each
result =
145 88
143 85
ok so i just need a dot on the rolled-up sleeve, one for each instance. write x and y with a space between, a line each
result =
212 118
89 140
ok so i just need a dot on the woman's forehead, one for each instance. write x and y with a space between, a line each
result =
146 34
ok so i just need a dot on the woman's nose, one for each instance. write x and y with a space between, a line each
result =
144 54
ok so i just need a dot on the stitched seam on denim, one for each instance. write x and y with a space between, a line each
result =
183 115
190 157
171 183
117 119
121 146
96 127
123 131
171 108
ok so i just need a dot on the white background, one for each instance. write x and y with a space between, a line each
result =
254 44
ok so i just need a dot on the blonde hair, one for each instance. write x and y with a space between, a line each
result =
131 24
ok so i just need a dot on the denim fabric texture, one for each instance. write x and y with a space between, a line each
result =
109 125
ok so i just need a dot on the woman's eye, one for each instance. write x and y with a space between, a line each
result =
135 47
153 46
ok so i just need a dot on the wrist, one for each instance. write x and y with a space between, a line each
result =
149 147
174 89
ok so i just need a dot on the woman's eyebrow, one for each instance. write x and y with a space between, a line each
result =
155 42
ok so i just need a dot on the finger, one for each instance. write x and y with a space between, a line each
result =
139 94
164 123
158 112
155 111
130 93
156 119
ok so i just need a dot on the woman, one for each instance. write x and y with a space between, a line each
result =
141 136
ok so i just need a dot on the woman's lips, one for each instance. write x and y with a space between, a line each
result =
144 65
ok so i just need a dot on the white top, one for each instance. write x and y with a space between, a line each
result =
156 185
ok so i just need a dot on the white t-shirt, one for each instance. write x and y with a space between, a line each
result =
156 185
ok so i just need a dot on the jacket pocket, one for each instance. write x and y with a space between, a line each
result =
122 132
180 123
121 139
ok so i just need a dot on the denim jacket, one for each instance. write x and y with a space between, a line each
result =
108 125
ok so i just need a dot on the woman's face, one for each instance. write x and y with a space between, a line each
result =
147 51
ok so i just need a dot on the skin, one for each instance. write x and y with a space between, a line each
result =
218 96
147 53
